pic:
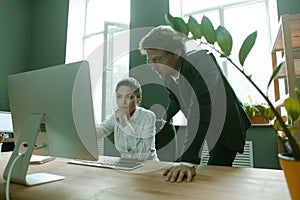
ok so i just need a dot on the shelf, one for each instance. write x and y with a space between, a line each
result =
280 102
287 43
282 73
295 33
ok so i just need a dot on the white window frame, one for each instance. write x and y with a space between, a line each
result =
75 51
270 13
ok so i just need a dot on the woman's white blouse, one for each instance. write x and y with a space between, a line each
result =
136 140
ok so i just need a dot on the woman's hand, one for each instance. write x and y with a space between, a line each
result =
178 173
122 116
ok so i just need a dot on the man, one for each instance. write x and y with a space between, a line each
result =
199 89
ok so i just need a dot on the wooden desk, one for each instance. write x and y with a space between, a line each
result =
211 183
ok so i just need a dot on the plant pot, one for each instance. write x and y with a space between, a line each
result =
259 120
291 168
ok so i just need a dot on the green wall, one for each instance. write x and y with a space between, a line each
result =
265 148
144 16
288 7
15 39
33 35
49 32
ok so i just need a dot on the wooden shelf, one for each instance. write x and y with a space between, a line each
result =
280 102
295 33
282 73
287 43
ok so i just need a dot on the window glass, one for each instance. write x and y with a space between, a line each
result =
99 11
237 16
91 43
213 15
187 7
104 21
240 22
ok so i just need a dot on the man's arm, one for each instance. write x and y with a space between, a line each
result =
197 127
205 79
199 116
173 106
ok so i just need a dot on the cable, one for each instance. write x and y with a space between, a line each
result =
9 175
40 147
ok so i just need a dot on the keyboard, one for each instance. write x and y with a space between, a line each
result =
107 163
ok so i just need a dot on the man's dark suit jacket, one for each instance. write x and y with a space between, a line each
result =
210 105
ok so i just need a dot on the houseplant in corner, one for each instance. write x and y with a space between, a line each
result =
257 112
220 41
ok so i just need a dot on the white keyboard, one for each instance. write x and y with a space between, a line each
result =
107 163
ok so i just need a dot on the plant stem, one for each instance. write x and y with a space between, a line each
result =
291 139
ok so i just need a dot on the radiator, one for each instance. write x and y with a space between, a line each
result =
241 160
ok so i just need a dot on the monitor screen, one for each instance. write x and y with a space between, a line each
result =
52 114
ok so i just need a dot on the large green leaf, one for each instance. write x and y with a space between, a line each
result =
169 19
224 40
246 47
292 108
269 114
277 125
195 28
208 30
274 74
180 25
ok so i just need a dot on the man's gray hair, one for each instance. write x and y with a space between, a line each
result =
163 38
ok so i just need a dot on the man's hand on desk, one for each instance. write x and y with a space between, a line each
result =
179 172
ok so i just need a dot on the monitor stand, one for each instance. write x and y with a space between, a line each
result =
17 167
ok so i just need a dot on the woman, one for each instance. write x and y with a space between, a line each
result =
133 126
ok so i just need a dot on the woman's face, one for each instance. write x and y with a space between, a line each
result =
126 99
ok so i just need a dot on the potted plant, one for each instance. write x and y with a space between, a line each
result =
220 41
256 112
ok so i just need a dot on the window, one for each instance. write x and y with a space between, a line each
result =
93 27
240 17
93 30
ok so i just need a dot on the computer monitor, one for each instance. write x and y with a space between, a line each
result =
52 114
